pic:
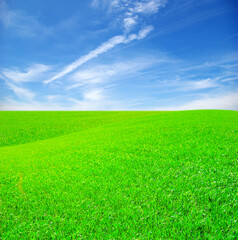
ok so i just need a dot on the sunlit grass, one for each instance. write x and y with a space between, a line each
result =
119 175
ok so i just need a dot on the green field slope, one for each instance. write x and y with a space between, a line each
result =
119 175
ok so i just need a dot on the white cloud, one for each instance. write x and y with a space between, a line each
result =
95 3
228 79
111 43
93 98
14 79
180 85
94 95
53 98
10 104
129 22
148 7
104 73
22 24
200 84
189 19
30 74
141 35
228 101
145 31
117 6
184 83
95 75
4 14
92 75
115 3
106 46
131 12
22 93
137 6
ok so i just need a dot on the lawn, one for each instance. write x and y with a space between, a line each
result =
119 175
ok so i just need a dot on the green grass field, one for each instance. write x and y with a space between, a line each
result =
119 175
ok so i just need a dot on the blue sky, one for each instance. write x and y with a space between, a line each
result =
118 54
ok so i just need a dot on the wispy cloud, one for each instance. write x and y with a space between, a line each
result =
148 7
138 74
53 98
144 32
131 10
182 86
225 101
105 73
94 95
21 93
24 25
106 46
196 84
10 104
190 19
15 79
233 77
111 43
95 3
32 73
129 23
202 84
90 76
131 7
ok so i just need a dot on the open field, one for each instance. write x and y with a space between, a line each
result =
119 175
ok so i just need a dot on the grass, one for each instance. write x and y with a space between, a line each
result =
119 175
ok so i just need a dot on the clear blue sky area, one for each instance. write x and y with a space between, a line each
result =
118 54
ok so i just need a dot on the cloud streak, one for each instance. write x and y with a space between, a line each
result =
111 43
21 93
106 46
129 23
32 73
148 7
226 101
131 10
24 25
104 73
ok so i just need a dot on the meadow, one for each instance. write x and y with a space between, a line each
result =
119 175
